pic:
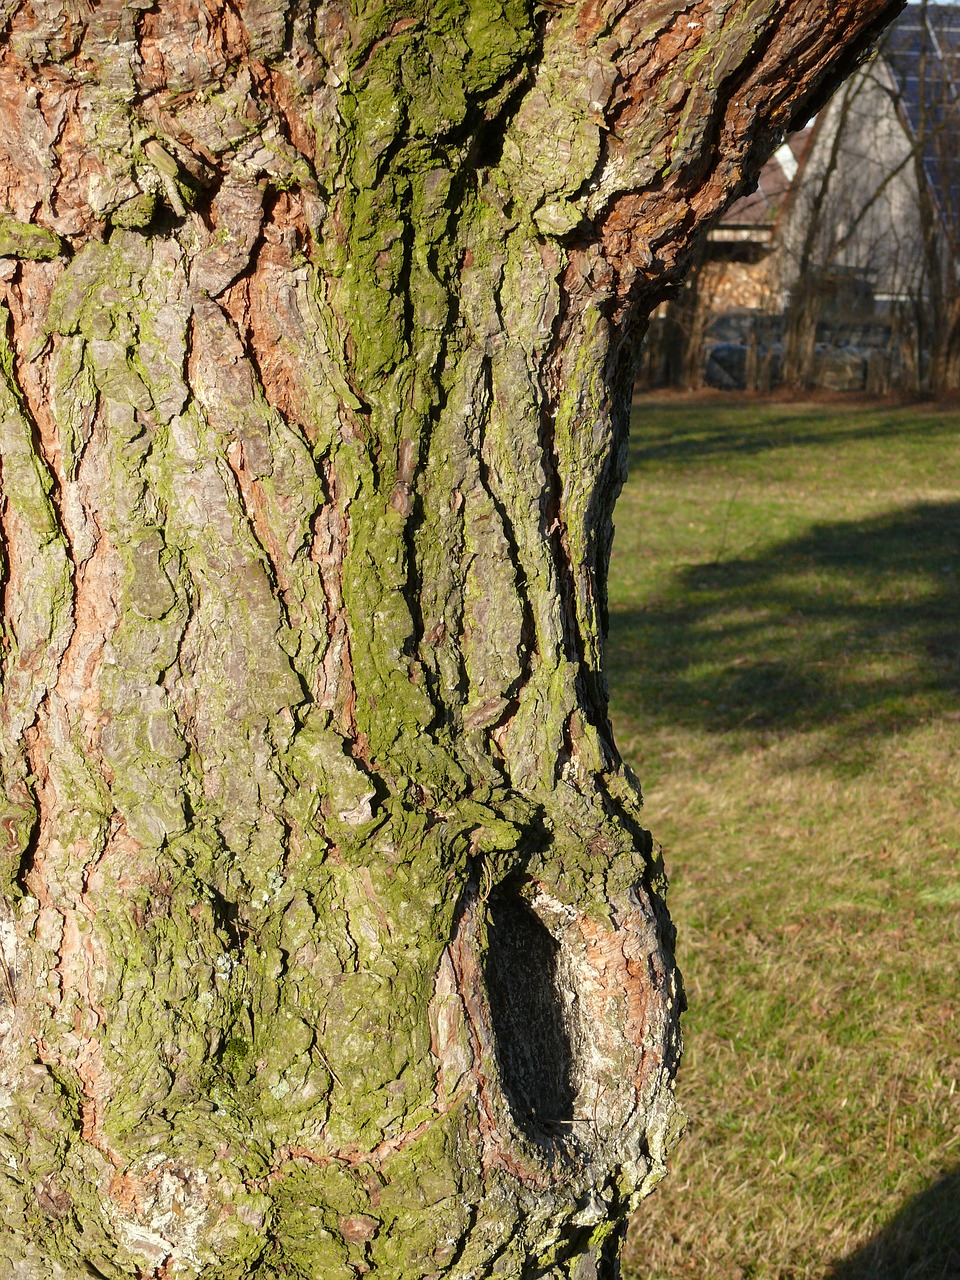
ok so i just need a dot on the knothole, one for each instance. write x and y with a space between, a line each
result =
529 1017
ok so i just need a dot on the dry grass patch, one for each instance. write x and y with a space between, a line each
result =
785 671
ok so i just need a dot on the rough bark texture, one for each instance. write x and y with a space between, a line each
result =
332 944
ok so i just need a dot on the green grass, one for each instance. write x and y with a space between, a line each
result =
784 664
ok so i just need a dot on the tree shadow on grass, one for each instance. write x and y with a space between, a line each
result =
688 440
921 1243
853 628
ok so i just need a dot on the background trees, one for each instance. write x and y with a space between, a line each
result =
840 270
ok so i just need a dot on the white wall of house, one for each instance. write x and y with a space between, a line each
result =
855 209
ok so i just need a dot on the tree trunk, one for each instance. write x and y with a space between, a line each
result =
331 940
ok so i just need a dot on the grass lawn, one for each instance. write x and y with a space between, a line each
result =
784 665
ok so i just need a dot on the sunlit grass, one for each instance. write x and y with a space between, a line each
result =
784 665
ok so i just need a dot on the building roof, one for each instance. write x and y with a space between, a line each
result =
758 211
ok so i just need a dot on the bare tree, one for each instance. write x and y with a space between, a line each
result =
866 241
874 210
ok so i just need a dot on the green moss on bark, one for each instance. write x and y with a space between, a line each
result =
27 240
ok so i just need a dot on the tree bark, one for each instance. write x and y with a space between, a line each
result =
332 943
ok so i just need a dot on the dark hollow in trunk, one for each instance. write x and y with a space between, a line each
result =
529 1018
